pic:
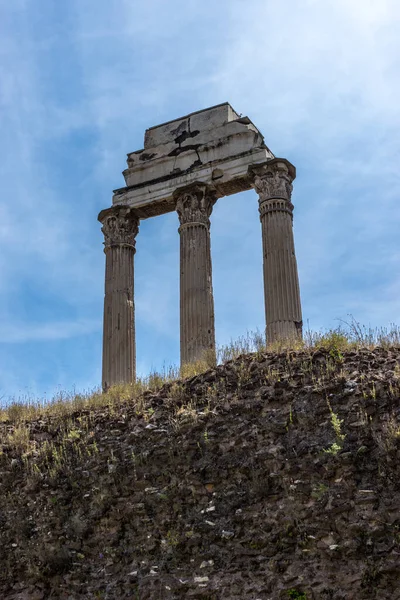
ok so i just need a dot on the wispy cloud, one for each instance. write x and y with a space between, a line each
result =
14 333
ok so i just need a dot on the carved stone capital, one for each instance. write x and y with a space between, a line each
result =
194 204
273 179
120 226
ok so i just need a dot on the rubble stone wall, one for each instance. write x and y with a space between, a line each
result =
274 476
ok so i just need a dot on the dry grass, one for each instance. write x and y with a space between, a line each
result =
66 404
349 335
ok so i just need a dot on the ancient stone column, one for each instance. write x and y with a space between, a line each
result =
273 183
120 227
194 206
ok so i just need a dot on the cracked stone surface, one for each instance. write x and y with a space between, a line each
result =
214 146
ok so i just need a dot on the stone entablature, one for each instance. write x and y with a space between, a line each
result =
215 146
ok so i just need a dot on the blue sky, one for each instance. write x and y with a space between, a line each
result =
80 81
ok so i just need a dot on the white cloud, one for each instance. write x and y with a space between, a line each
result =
16 333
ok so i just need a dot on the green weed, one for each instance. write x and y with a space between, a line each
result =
296 595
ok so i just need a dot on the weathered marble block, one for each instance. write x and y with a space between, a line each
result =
214 146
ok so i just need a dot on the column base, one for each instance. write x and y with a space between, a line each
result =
284 331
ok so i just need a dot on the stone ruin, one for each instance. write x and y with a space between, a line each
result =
186 165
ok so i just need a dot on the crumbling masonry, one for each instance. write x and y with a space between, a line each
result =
186 165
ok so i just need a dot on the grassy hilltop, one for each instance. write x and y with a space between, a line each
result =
273 475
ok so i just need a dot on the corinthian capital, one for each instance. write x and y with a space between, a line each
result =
120 226
273 179
194 204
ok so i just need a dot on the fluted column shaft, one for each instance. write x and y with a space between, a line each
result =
194 207
120 227
273 183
